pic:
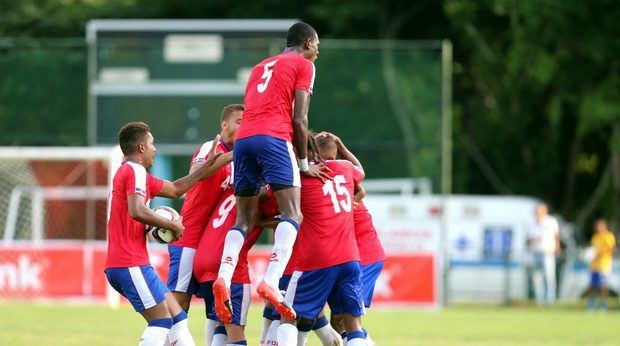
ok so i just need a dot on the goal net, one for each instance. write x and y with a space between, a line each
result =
53 212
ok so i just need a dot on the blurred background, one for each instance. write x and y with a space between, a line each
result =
465 114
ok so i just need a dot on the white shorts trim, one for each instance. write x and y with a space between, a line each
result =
143 289
291 154
186 269
289 297
245 304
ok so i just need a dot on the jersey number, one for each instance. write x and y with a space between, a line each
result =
225 208
267 73
336 188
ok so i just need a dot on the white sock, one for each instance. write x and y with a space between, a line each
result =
302 338
271 339
209 329
356 342
230 255
179 334
264 330
284 239
154 336
219 340
328 336
287 335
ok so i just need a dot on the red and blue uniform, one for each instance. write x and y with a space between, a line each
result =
128 269
371 251
263 149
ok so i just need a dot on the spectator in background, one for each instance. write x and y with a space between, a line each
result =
604 244
543 241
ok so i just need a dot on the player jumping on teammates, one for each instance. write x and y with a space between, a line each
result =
200 201
127 265
328 268
263 152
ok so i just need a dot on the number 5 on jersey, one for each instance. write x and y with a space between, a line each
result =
267 73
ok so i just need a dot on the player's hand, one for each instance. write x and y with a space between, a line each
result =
177 228
328 135
319 171
211 157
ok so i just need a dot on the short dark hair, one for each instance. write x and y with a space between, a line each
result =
299 33
326 143
228 110
130 136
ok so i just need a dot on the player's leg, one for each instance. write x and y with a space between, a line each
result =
247 182
370 274
179 332
211 321
604 288
240 302
347 300
307 293
180 275
323 329
550 280
146 293
267 320
271 338
594 279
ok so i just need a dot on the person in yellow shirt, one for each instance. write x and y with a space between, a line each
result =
604 243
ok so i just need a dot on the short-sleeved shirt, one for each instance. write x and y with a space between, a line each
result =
368 241
543 235
209 252
126 238
327 235
270 93
604 243
201 199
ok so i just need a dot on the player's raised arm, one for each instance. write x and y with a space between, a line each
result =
343 152
202 170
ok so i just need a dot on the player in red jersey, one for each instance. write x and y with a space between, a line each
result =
328 268
127 264
200 201
207 263
277 98
370 248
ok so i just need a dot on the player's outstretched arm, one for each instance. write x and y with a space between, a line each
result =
138 211
220 162
203 170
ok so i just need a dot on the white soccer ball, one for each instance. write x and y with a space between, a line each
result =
588 254
162 235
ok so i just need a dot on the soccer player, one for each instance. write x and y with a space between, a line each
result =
263 152
604 244
127 265
370 248
328 267
207 263
200 201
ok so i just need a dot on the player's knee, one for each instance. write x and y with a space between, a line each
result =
293 215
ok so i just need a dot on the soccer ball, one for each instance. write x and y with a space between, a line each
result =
162 235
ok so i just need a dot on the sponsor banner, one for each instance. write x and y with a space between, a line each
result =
77 270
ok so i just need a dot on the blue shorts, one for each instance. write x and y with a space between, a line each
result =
598 280
240 295
181 275
140 285
370 273
264 158
340 286
270 312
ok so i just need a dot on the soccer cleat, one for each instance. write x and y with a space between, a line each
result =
277 300
223 306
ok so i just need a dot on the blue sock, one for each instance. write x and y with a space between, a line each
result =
343 335
219 330
320 323
242 342
162 323
180 317
603 304
365 333
591 304
356 334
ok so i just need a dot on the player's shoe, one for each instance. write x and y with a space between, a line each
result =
277 300
223 306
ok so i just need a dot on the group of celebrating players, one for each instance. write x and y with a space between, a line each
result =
279 172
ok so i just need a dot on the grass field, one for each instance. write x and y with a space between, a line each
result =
49 324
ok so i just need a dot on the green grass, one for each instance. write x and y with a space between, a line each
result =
52 324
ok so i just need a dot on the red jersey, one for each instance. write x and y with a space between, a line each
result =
126 238
209 253
368 242
327 236
270 93
201 199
